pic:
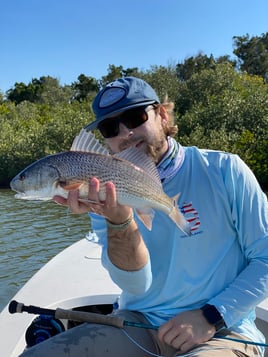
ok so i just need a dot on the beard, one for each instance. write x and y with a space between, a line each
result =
154 148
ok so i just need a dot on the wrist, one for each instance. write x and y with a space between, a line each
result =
213 316
120 226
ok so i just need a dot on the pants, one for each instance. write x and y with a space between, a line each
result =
94 340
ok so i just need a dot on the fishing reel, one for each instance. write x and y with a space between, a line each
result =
42 328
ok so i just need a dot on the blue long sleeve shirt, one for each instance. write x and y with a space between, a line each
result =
225 260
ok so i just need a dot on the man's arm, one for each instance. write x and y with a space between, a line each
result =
126 250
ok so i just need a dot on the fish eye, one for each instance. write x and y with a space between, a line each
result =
22 177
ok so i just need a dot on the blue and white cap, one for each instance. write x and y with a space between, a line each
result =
120 95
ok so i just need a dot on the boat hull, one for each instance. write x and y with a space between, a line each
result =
74 278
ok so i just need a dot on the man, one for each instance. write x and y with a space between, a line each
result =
197 288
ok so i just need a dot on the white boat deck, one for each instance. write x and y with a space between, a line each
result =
89 284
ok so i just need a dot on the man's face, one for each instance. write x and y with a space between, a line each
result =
149 136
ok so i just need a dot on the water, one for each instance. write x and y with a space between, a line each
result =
31 233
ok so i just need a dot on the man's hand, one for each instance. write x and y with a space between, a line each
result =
126 248
186 330
109 208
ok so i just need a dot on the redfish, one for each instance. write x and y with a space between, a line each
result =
134 174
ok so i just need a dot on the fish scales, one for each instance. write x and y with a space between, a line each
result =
136 187
130 181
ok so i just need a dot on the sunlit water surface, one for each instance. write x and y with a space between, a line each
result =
32 233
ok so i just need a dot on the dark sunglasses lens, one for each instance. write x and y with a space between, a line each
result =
109 128
135 118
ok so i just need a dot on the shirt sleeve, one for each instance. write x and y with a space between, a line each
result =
250 216
134 282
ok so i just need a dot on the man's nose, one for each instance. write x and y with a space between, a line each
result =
124 131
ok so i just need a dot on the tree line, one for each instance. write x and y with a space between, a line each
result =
220 103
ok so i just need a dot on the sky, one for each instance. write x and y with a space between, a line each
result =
66 38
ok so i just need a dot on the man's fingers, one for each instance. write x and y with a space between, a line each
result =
60 200
110 195
94 189
106 205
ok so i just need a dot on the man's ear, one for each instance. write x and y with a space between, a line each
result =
164 115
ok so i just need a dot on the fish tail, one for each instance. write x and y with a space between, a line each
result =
178 218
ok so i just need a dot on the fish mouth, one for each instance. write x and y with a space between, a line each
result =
139 144
13 185
20 195
30 196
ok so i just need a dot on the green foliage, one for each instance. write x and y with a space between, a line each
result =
164 81
84 87
43 90
197 64
216 106
253 54
31 131
22 92
225 110
115 72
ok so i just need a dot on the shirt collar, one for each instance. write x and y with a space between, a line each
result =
172 161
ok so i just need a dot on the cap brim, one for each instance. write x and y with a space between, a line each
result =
95 123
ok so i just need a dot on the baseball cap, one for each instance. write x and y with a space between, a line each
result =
120 95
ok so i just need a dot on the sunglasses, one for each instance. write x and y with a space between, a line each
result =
132 118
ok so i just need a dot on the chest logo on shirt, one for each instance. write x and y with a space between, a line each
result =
192 216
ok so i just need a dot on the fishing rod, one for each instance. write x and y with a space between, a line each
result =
81 316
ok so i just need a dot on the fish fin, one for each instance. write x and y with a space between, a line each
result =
176 198
140 159
70 186
86 141
146 216
178 218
